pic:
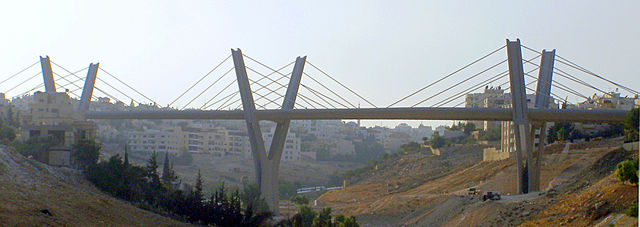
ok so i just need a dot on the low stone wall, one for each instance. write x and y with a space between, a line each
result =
493 154
632 146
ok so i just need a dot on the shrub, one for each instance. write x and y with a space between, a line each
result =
632 211
299 200
627 170
631 125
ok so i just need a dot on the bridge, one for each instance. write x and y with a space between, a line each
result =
321 101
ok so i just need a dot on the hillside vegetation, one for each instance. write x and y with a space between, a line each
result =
35 194
578 188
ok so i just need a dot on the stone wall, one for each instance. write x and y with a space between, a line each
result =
493 154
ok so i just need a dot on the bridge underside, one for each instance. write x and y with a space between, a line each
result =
409 113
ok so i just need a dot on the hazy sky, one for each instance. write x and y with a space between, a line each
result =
384 50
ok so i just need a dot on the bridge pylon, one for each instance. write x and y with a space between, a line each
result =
521 127
47 74
266 164
543 94
87 90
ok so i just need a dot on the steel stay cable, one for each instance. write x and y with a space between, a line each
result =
551 94
42 85
225 105
559 85
20 95
578 67
265 95
64 78
271 92
210 85
223 98
334 93
463 81
70 91
349 89
577 80
560 72
284 76
472 88
316 94
205 76
458 95
222 106
281 68
282 85
477 86
110 96
220 92
447 76
21 71
37 74
598 76
301 84
125 84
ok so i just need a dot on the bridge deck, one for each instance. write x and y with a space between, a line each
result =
409 113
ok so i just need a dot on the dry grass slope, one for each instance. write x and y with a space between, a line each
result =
27 187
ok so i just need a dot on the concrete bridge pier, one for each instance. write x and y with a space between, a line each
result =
47 74
543 94
521 127
266 164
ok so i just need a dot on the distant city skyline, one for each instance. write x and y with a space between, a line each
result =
161 48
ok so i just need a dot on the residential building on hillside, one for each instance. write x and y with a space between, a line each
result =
495 97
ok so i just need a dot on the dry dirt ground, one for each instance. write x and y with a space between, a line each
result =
28 187
578 189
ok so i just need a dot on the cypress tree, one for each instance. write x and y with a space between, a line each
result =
198 191
168 175
126 157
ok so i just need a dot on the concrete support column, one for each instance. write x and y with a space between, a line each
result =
266 165
47 75
87 91
519 106
282 128
543 93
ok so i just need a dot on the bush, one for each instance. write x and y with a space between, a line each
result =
632 211
631 125
7 134
299 200
86 153
627 171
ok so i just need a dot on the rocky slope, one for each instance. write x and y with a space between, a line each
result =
578 189
35 194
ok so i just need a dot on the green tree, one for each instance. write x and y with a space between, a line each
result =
323 218
468 128
437 141
153 184
559 132
7 134
305 216
631 125
350 222
632 211
299 200
126 157
198 191
627 171
86 153
169 177
36 146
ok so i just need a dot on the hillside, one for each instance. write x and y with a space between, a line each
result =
28 188
575 181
